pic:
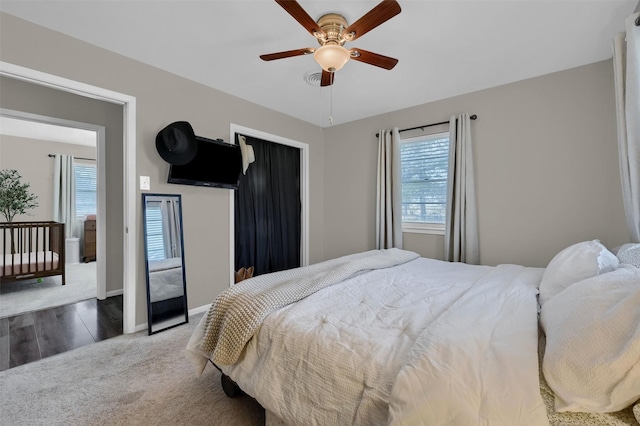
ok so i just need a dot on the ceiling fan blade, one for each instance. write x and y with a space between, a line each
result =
299 14
327 78
373 58
384 11
286 54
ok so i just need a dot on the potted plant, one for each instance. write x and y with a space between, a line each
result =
15 197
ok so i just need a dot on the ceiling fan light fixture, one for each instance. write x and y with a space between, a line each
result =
332 31
331 57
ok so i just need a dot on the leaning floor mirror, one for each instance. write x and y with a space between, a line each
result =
164 254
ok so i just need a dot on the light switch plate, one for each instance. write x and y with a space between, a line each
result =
145 183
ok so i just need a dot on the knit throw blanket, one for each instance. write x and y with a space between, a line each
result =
236 314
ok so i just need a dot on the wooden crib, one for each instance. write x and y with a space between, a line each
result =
31 250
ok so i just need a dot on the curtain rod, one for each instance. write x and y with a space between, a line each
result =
473 117
79 158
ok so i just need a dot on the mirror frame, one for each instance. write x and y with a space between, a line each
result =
151 328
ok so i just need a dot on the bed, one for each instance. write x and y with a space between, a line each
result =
166 288
165 279
32 250
387 337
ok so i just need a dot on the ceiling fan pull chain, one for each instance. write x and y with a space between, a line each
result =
331 105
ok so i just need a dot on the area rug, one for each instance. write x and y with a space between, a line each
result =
132 379
33 295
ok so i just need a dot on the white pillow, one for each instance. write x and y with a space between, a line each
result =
592 356
629 254
575 263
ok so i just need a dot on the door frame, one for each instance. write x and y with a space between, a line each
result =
304 192
128 103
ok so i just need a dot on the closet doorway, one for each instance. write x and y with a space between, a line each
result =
269 211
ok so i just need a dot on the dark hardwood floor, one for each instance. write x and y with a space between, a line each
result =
35 335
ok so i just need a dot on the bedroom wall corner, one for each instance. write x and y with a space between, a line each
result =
545 161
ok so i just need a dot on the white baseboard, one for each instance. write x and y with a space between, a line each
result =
114 293
198 310
141 327
192 312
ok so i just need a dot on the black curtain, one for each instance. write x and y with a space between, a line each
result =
268 209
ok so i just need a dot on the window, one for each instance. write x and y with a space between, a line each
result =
86 189
425 167
154 231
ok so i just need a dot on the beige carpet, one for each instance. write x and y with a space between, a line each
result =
33 295
128 380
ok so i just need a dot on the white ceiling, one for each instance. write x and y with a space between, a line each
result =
30 129
445 48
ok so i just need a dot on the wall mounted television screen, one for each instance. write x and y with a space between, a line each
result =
217 164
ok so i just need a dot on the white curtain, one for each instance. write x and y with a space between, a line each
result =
64 193
461 228
626 61
389 191
171 228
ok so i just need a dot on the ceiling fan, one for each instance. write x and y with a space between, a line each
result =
332 31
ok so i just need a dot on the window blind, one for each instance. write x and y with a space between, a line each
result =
154 231
425 165
86 189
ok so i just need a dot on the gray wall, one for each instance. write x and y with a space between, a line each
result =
162 98
546 168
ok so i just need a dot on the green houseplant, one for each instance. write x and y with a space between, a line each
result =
15 197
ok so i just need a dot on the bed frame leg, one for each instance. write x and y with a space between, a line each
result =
230 388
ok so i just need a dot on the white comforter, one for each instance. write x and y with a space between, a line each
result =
165 279
426 342
476 362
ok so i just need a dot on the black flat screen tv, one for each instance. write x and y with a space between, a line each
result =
217 164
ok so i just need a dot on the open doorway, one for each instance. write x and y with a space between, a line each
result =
125 229
29 144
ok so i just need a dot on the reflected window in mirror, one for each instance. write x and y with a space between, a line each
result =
164 261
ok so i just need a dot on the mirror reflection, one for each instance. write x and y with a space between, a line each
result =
164 253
